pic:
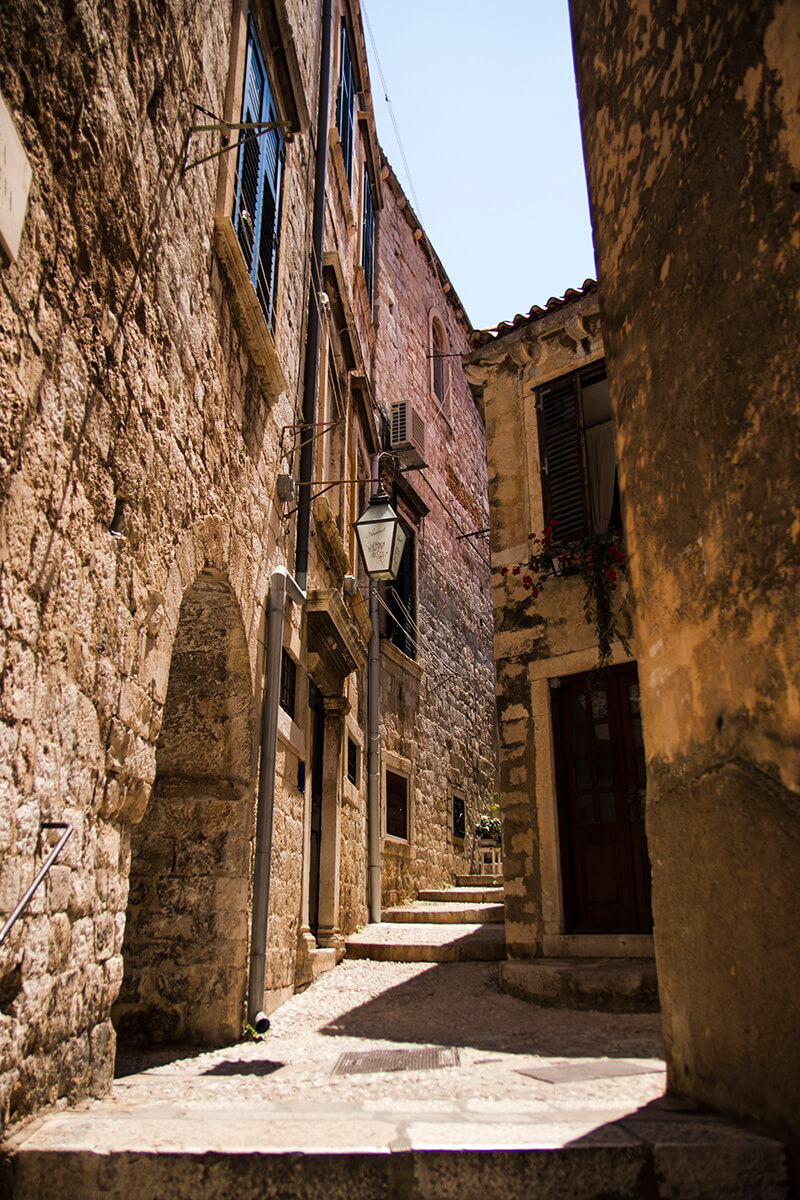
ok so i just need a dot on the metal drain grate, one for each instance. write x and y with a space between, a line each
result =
426 1058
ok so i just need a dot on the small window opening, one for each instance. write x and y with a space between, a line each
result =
396 805
459 817
352 761
288 683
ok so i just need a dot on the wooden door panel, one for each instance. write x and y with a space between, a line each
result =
600 781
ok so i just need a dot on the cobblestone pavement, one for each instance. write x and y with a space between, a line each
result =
282 1093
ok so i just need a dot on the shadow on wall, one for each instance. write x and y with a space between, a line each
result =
187 926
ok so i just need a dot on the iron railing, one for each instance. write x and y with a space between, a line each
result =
46 865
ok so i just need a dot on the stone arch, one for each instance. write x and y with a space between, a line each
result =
186 937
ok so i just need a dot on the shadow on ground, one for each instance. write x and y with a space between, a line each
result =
461 1004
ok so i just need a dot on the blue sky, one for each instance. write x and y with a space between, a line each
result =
484 98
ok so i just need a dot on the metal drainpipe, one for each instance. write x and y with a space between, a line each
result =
374 749
313 326
281 585
374 760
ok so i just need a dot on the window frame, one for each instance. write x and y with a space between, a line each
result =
266 154
345 103
406 779
368 236
562 437
400 629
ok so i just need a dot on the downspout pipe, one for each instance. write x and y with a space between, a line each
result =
314 304
374 760
282 586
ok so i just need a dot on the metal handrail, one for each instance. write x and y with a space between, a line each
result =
51 858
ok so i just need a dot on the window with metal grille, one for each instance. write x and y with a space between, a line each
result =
368 235
396 805
576 447
352 761
288 683
459 817
259 169
401 601
345 105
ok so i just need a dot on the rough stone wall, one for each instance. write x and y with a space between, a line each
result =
437 712
533 638
127 390
692 143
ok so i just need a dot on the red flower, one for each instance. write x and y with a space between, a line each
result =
504 570
515 571
535 593
527 581
553 523
611 574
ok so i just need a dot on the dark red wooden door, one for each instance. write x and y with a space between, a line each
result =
601 796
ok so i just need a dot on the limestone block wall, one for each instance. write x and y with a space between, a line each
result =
437 715
699 283
129 399
534 639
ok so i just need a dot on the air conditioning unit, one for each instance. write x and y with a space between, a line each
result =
408 434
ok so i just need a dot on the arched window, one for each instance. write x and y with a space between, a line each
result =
439 363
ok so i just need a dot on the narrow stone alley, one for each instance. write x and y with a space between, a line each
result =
375 1063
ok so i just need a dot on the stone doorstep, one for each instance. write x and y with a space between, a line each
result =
602 984
660 1163
440 913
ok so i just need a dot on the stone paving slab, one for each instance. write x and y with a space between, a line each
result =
271 1119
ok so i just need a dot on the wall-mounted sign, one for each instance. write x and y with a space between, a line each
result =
15 182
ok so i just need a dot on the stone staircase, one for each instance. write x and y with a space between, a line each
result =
464 923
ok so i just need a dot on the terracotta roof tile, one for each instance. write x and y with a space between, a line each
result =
481 337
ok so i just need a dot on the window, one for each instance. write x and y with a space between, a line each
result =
288 683
396 805
345 105
459 817
352 761
438 362
576 444
401 601
368 235
259 170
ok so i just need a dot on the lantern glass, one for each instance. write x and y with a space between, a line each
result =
381 538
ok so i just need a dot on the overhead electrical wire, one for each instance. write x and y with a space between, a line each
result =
411 188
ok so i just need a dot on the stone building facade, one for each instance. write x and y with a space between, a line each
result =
699 285
571 761
155 353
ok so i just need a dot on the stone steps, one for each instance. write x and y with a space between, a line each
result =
433 942
471 881
645 1156
467 895
425 912
601 984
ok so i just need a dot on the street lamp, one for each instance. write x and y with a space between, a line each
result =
381 538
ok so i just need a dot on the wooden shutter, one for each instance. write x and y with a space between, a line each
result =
246 201
258 181
345 102
368 234
562 458
271 170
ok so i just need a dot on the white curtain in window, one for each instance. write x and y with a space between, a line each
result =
602 471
